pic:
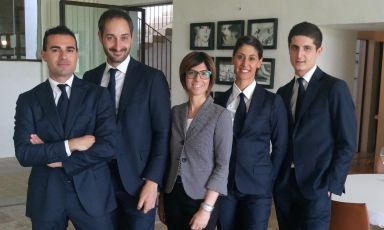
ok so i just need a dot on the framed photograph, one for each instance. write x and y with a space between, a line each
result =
228 32
224 69
202 36
265 30
266 73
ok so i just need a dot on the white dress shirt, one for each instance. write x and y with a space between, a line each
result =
234 99
307 77
120 75
56 95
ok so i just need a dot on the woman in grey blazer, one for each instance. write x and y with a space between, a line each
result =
201 142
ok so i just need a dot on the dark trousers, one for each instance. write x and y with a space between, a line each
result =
126 216
179 209
295 212
242 211
76 213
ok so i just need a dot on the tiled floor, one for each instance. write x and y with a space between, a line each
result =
13 186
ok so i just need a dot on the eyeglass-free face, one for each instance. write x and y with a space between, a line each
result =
205 74
197 86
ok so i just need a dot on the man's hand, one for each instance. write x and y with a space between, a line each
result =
148 196
35 140
81 143
55 165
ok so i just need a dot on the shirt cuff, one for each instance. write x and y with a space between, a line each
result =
67 148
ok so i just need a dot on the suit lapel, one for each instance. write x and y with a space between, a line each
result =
254 107
311 92
224 98
130 82
45 97
76 98
99 71
195 125
181 119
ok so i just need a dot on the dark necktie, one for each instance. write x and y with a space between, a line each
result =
240 114
112 86
62 104
300 97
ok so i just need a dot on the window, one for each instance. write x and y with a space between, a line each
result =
19 38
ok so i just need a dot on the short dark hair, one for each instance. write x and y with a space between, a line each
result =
249 40
57 30
194 59
309 30
114 13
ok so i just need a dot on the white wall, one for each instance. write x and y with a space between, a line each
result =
339 45
15 78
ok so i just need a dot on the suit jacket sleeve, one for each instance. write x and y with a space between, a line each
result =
345 135
105 131
28 154
279 138
160 113
222 153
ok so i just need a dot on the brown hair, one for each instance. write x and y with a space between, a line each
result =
193 59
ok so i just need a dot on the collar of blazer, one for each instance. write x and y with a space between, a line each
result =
45 96
197 122
311 93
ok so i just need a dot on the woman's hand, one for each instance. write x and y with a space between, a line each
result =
200 219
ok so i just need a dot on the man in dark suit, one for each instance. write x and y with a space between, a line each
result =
259 146
141 97
322 128
64 129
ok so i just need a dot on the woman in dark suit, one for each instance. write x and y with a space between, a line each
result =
200 146
260 135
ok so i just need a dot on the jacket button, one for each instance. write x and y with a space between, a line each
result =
183 159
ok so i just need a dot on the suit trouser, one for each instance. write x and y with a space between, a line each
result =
295 212
126 216
242 211
179 209
76 213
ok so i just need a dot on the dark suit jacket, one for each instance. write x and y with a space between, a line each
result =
143 123
89 112
265 123
323 139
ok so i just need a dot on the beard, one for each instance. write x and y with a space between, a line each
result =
116 59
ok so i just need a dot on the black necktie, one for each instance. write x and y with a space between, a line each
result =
112 86
300 97
240 114
62 104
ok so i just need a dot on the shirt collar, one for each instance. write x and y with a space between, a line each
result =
122 67
248 91
54 83
307 77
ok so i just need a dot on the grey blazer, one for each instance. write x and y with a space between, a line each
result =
203 152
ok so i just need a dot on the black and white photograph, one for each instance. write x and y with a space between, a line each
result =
225 73
265 74
265 30
228 32
202 36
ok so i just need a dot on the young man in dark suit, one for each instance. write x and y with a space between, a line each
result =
141 97
322 128
64 129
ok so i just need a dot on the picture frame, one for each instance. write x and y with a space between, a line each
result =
228 32
224 69
265 75
265 30
202 36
